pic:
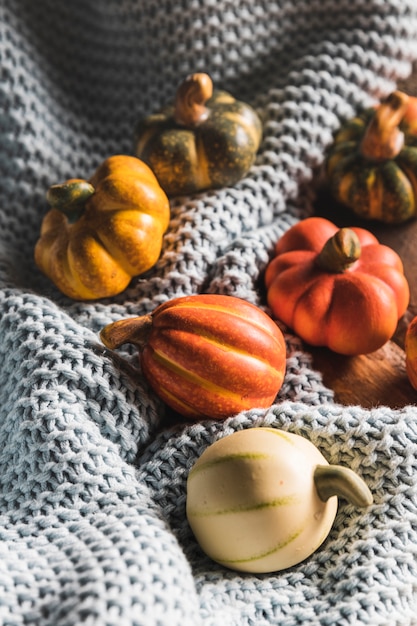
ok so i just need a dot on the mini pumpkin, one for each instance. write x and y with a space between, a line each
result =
410 348
262 500
338 288
409 121
206 355
206 139
101 233
372 163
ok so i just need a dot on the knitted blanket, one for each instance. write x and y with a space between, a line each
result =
92 472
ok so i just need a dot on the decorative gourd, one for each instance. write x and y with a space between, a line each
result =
262 500
204 140
409 122
338 288
206 355
99 234
372 164
411 352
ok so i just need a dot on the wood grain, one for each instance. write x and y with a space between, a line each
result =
372 380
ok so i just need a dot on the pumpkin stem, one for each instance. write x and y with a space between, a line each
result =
131 330
340 251
70 197
191 97
335 480
383 139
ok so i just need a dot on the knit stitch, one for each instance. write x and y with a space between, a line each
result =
92 473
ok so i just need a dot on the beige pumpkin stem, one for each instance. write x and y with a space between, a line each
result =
191 98
70 197
131 330
340 251
383 139
336 480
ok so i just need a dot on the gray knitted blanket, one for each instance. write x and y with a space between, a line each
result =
92 475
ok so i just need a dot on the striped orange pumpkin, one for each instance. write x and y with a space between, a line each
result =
207 355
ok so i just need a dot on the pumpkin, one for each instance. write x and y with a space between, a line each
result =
262 500
101 233
409 121
410 346
206 355
206 139
372 163
334 287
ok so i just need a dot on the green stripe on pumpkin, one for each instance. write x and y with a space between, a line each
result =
200 466
250 456
244 508
262 555
398 202
407 161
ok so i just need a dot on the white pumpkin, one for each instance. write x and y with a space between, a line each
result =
261 500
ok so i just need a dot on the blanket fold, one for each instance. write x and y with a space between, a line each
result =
92 474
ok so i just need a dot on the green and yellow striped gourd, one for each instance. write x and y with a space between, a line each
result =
206 139
261 500
372 163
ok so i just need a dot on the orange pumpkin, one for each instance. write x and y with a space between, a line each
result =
410 116
99 234
338 288
206 355
411 352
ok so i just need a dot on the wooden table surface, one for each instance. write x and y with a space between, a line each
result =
377 379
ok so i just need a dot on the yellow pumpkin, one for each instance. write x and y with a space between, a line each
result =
101 233
206 139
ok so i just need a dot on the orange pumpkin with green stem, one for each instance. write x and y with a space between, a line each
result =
338 288
101 233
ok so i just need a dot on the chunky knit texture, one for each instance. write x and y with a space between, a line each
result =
92 479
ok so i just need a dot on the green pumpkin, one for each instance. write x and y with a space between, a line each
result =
205 140
372 163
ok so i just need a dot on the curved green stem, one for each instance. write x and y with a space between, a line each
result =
340 251
70 197
336 480
131 330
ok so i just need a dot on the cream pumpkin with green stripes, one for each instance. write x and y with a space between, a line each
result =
261 500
